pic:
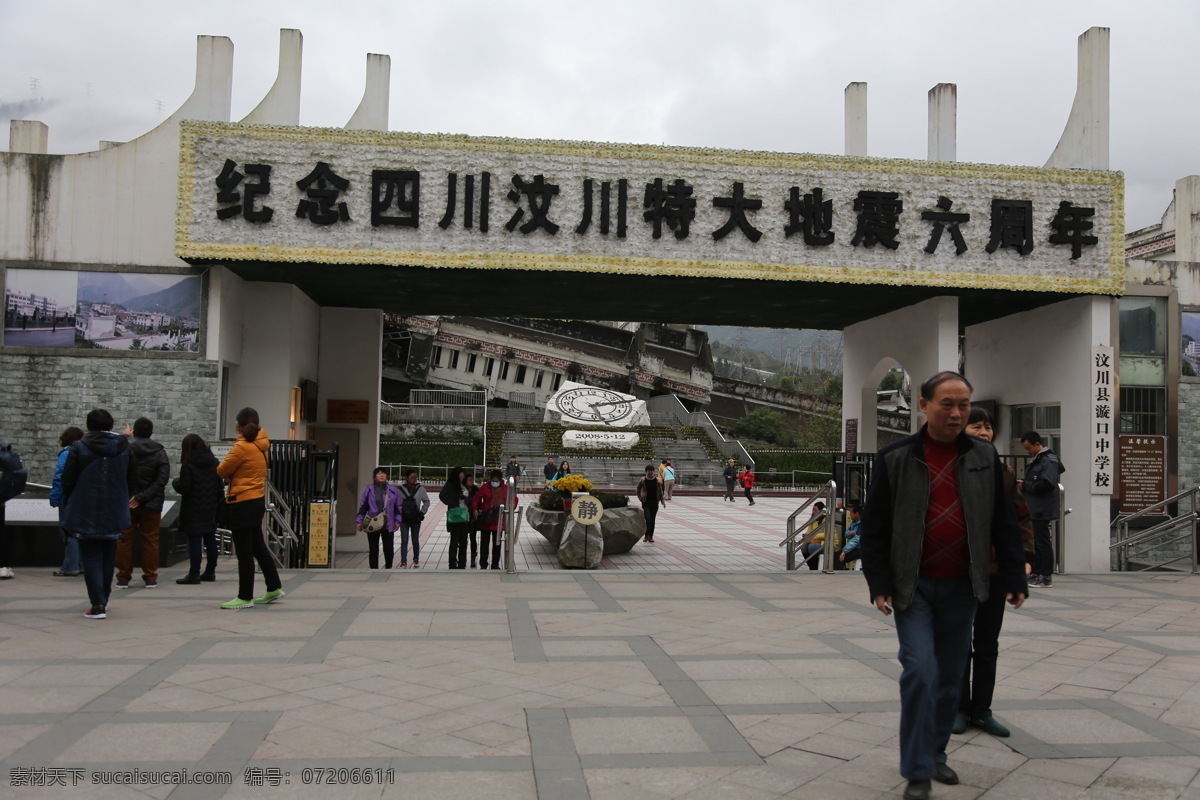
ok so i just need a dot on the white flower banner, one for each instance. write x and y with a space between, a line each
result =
335 196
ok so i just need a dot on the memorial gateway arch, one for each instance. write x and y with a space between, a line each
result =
303 238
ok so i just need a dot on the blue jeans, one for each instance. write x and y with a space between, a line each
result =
70 553
935 635
99 560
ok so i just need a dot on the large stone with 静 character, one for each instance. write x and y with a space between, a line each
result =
579 404
619 530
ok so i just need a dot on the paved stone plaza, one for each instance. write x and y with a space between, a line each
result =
609 685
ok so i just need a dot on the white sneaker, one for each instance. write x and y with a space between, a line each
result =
6 572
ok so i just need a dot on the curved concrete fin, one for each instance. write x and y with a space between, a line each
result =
1084 143
281 105
372 113
211 97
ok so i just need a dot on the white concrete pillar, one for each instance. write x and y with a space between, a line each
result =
372 112
856 119
28 136
1187 212
922 338
1044 356
281 104
1084 142
943 122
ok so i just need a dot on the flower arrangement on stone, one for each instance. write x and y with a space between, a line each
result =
572 483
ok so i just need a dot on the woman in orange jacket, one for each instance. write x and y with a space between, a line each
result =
245 472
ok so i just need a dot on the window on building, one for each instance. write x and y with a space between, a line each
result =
437 355
1045 419
1143 341
454 359
537 380
471 359
489 364
1143 410
557 381
504 370
521 373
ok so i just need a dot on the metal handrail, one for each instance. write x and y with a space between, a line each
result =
510 526
1188 519
278 531
827 493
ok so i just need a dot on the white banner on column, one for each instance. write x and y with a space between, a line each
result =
1102 421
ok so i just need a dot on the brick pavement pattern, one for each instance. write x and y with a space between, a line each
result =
555 685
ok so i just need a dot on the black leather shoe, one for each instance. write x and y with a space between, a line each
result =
943 774
189 579
917 790
991 725
208 577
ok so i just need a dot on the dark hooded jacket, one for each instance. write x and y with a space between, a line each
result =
97 483
153 471
202 491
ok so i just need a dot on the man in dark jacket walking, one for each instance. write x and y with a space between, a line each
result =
1040 488
730 475
97 481
936 510
649 493
153 470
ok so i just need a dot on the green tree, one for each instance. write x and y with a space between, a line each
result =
894 380
764 425
832 390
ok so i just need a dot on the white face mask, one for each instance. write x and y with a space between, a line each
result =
495 484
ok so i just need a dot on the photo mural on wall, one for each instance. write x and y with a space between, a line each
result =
102 310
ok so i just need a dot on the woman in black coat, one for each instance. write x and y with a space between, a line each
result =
202 491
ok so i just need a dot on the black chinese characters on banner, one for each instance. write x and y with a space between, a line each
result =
325 198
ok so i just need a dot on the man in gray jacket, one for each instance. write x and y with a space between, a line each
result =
152 468
936 510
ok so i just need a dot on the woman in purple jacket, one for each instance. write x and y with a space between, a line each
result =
380 497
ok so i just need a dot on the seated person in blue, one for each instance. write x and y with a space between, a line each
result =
851 551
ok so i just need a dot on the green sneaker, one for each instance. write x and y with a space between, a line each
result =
269 597
237 603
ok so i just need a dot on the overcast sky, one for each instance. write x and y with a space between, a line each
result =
750 75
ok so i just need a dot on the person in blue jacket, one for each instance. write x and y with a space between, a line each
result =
71 565
97 482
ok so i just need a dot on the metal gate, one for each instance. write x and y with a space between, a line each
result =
302 474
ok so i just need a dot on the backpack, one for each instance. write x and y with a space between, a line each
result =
410 510
12 473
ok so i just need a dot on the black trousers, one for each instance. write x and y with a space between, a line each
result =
198 546
1043 548
985 651
251 547
389 548
458 543
650 513
494 537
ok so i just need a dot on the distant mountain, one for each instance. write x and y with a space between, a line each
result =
804 347
113 287
180 300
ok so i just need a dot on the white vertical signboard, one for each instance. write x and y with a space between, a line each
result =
1103 421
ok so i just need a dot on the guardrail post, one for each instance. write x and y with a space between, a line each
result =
1060 534
791 545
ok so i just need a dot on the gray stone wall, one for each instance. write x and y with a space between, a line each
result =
42 394
1188 441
